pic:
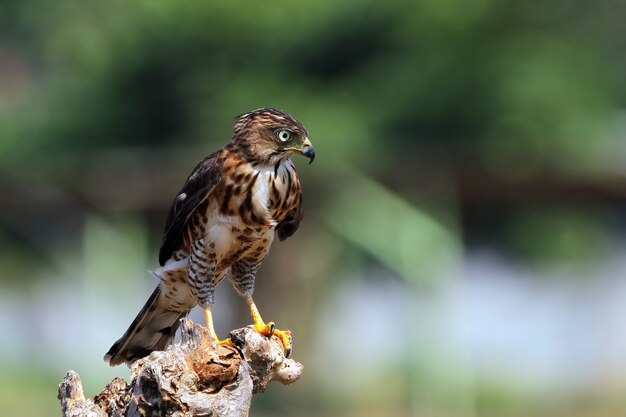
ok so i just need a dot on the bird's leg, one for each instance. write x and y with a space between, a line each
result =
268 329
208 317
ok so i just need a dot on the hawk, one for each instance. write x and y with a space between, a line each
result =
222 224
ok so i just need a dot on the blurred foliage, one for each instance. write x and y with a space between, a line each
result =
510 90
517 89
568 235
496 79
402 238
40 388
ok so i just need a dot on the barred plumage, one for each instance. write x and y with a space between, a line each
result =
223 222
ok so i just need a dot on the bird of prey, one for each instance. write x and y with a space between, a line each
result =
221 224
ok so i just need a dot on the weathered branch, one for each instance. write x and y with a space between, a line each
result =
190 378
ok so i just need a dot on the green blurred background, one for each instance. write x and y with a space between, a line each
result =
463 251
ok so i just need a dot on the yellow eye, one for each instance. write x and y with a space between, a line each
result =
283 135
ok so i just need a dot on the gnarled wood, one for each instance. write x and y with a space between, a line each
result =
191 378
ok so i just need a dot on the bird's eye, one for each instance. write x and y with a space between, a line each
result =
284 135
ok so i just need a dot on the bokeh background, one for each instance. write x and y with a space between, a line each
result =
463 251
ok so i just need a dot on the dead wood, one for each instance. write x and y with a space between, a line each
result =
191 378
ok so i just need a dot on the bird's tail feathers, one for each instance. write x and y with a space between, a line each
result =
153 329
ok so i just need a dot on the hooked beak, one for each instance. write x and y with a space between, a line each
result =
308 150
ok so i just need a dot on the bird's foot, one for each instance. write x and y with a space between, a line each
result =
225 342
213 340
286 339
269 330
209 325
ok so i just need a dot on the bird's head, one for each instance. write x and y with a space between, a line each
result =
268 135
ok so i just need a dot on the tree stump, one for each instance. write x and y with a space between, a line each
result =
191 378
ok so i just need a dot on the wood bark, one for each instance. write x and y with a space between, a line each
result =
191 378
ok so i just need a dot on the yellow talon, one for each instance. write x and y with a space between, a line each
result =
269 329
265 329
285 337
208 317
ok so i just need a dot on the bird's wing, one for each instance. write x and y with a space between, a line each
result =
202 181
290 224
